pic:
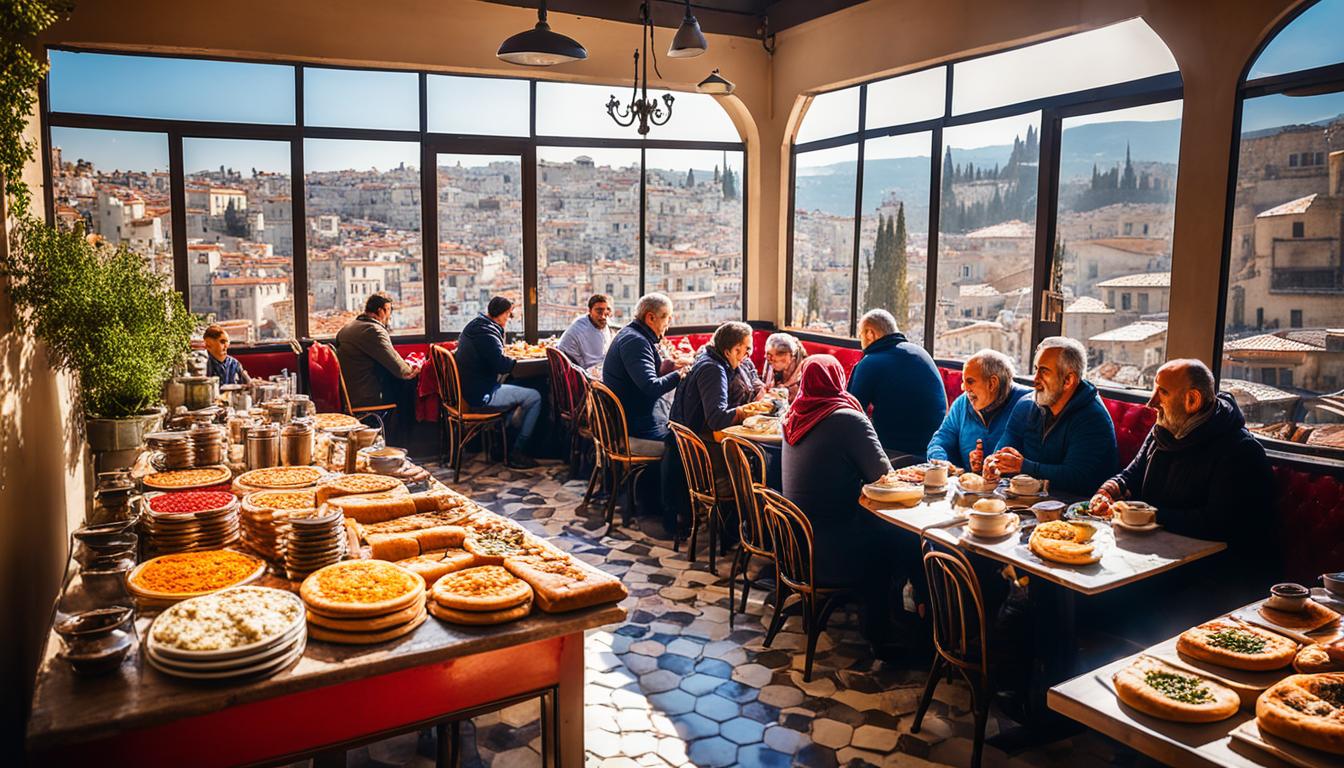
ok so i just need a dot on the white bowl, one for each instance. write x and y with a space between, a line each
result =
905 494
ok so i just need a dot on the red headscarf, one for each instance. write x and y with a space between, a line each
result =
822 393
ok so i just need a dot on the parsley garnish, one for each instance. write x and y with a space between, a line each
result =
1182 688
1238 641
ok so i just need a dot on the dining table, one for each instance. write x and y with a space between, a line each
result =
772 447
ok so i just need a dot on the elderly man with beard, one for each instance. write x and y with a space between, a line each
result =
1199 465
1064 434
980 415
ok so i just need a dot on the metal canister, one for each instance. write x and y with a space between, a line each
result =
296 443
356 439
207 441
278 411
301 407
263 446
200 391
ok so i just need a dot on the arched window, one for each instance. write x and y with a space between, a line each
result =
997 200
1282 354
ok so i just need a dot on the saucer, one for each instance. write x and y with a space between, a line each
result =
1118 523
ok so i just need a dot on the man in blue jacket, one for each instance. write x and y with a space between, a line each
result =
981 413
898 383
639 377
1064 434
481 362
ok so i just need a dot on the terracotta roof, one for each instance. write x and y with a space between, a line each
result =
1290 208
1250 392
1148 246
249 281
1086 305
1141 280
979 325
1269 342
1014 228
979 290
1140 331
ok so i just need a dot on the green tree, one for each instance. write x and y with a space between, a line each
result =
690 178
900 267
729 184
235 221
813 310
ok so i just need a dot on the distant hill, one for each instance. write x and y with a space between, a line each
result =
831 188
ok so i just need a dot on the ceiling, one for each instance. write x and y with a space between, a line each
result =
725 17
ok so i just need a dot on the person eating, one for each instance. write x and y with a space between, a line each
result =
219 362
783 363
1064 433
1199 465
481 362
586 339
639 377
374 372
978 417
899 384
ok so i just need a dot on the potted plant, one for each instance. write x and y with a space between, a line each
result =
104 314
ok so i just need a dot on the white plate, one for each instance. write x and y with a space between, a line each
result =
773 438
909 495
253 659
1013 526
268 667
181 656
1118 523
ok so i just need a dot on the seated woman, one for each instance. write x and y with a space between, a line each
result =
830 451
783 364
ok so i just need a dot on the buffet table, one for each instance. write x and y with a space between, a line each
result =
334 696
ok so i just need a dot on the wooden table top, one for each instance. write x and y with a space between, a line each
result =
70 708
1090 699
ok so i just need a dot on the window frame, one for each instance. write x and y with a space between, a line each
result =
1054 109
431 144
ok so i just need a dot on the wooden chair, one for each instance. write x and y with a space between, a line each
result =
569 400
791 535
376 412
959 639
558 363
458 425
612 436
746 468
704 492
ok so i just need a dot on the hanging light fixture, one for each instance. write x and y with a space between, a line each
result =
689 41
539 46
641 108
716 84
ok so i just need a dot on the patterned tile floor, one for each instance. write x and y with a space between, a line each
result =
675 685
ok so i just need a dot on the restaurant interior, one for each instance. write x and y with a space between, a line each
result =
673 382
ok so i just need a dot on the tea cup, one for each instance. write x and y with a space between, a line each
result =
935 476
1334 583
1137 513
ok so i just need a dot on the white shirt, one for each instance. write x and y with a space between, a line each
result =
585 343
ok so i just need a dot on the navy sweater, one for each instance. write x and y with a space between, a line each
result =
900 383
1076 451
481 359
955 439
702 401
631 372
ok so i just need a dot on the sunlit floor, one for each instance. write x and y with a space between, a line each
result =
674 685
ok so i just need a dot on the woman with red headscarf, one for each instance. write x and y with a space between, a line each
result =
830 451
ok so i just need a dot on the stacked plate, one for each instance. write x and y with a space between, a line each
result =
244 632
265 520
313 542
187 521
363 602
207 445
174 448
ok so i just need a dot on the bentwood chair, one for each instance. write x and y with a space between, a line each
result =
706 503
746 468
458 425
557 364
794 545
612 436
378 413
959 637
569 401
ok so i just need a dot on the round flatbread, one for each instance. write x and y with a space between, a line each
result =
365 623
1064 542
487 588
279 477
491 547
1239 646
1161 690
1314 659
180 479
433 566
361 588
1306 710
334 421
480 618
365 638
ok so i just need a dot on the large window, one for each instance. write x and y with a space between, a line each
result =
951 172
278 216
1282 348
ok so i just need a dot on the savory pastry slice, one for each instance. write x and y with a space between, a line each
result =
486 588
435 565
1161 690
1236 645
1064 542
563 583
1316 658
1306 710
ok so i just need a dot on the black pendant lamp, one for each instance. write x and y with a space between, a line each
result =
539 46
689 41
716 84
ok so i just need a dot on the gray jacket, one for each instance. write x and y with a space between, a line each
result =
364 347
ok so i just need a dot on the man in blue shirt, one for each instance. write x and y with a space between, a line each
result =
639 377
586 339
898 383
980 414
481 362
219 362
1064 434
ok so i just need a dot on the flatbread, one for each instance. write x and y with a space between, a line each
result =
1064 542
1156 688
435 565
359 483
1312 617
365 638
480 618
365 624
1314 659
1306 710
361 588
562 583
1235 645
487 588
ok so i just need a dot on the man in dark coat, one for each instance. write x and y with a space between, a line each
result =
374 372
899 383
481 362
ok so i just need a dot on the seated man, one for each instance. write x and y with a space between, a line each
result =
219 362
1200 466
979 416
481 361
1064 434
898 383
374 372
586 339
639 377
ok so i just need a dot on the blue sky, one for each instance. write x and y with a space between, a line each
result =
1314 39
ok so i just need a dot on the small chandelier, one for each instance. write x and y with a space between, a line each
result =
641 108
